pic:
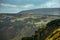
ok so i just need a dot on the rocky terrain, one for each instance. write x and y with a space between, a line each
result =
22 24
14 26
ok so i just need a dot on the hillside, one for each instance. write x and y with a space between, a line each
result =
16 26
50 32
46 11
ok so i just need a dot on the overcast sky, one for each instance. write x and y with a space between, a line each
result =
14 6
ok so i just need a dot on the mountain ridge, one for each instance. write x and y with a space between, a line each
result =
47 11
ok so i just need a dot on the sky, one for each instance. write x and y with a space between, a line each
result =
15 6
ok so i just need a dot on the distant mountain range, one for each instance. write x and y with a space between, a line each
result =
47 11
44 11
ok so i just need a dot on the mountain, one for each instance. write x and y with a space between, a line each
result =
16 26
47 11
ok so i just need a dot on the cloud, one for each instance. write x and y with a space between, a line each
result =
7 5
50 4
8 8
17 8
28 6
